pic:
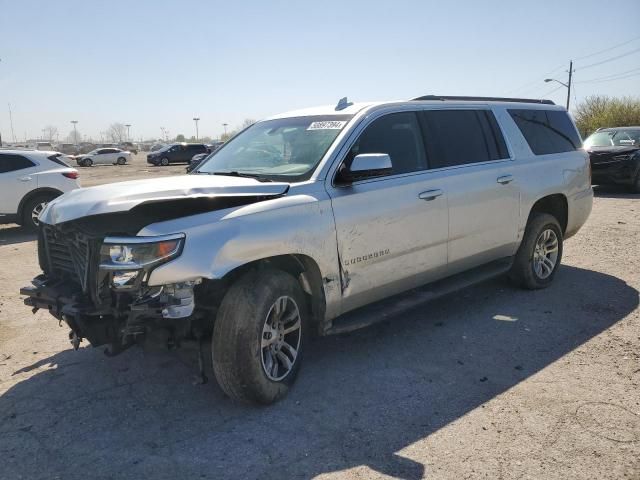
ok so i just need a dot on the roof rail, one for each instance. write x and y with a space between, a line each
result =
486 99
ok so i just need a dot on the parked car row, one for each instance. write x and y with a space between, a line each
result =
181 153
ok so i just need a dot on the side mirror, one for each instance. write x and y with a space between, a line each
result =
366 165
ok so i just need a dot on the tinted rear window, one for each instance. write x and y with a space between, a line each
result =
57 158
459 137
547 131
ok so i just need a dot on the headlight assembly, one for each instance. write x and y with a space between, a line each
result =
135 253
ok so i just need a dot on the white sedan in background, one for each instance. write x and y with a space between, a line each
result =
104 156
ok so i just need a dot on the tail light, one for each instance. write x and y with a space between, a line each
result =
72 175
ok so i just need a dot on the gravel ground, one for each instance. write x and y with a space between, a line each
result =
493 382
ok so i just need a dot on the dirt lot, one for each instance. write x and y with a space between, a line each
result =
493 382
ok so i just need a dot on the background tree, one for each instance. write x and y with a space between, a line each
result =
247 122
117 132
50 132
71 137
180 138
600 111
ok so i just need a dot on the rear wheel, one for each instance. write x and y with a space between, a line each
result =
32 210
122 161
164 161
540 252
258 337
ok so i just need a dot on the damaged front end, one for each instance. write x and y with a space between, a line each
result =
97 284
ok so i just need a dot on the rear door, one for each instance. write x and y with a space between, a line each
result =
391 233
467 150
16 180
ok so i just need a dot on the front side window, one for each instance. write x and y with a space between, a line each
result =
398 135
286 149
547 131
460 137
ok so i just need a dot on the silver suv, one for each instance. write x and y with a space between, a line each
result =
315 221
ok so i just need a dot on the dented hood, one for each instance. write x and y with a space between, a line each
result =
123 196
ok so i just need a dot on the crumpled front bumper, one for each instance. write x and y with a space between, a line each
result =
66 302
120 324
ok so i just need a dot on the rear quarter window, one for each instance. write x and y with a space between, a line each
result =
547 131
10 162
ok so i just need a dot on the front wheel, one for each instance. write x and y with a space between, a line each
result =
122 161
32 210
258 337
87 162
164 161
540 252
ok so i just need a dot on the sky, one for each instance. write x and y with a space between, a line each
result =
161 63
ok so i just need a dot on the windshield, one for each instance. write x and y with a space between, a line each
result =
613 138
283 149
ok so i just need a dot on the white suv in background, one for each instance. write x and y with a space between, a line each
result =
29 179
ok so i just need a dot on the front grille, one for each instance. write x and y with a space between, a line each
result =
68 254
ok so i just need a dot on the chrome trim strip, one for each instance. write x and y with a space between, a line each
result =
136 240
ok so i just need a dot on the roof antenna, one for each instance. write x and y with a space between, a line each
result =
343 103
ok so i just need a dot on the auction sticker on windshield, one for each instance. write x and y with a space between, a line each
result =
328 125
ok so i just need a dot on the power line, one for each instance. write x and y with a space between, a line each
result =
610 75
523 87
609 59
607 49
551 91
616 78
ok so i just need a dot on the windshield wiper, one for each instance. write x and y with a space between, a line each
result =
235 173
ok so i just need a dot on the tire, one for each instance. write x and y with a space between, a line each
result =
528 270
122 161
635 187
242 327
87 162
32 208
164 161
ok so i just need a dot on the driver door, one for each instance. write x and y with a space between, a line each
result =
392 231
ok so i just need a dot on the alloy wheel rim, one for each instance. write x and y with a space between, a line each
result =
37 210
280 339
545 254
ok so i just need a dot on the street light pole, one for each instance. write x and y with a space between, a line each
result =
196 119
128 125
225 128
566 85
75 131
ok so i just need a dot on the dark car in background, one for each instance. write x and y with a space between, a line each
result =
176 153
129 146
615 156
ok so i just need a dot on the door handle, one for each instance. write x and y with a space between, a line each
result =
430 194
505 179
26 178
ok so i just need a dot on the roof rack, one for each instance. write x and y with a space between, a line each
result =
485 99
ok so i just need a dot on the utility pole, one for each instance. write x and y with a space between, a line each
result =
569 84
225 128
128 125
196 119
13 135
75 131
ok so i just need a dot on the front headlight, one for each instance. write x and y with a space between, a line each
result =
134 253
